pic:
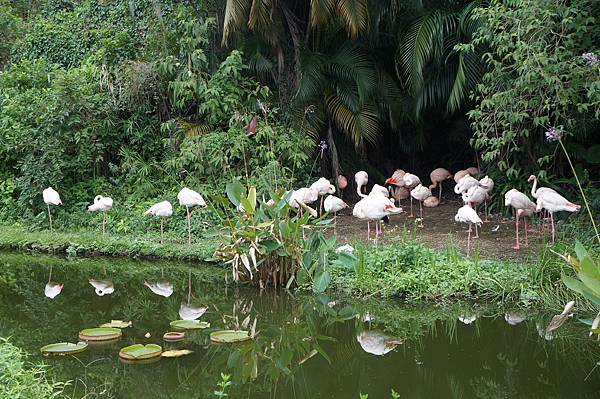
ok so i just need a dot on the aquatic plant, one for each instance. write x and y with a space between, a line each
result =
268 243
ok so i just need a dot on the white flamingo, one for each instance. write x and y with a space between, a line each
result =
420 193
466 214
333 205
488 184
101 204
323 187
522 206
51 197
361 178
190 312
459 175
190 198
377 343
553 202
102 287
52 289
374 207
161 210
161 287
465 183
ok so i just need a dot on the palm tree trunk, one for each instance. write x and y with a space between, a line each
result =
335 161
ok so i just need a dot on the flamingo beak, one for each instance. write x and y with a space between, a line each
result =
391 180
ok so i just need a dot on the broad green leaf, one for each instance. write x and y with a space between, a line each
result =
139 351
252 198
63 348
230 336
580 250
321 282
347 312
235 192
270 245
189 324
100 334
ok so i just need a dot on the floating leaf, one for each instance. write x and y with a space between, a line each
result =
100 334
63 348
176 353
230 336
117 324
173 336
189 324
140 352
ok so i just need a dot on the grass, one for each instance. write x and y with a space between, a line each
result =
20 380
85 243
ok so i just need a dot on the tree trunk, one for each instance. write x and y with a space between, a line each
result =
335 162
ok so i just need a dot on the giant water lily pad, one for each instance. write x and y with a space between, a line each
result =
173 336
140 352
189 324
117 324
230 336
100 334
176 353
63 348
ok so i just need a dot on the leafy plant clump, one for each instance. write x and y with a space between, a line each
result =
20 381
268 244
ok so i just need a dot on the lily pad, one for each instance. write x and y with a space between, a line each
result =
189 324
172 336
100 334
176 353
117 324
230 336
140 352
63 348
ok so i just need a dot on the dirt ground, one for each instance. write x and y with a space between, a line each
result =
441 229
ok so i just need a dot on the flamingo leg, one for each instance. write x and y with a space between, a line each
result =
334 222
368 230
517 246
189 222
411 208
49 216
161 230
103 223
486 212
469 240
440 194
421 213
526 241
476 232
321 207
552 221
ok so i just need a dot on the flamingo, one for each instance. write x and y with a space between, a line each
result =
377 343
536 191
523 206
333 205
473 171
323 187
396 186
459 175
190 198
342 183
465 183
420 193
374 207
488 184
190 312
305 195
161 287
514 318
101 204
361 178
102 287
51 197
52 289
411 181
466 214
437 177
474 196
553 202
162 210
431 202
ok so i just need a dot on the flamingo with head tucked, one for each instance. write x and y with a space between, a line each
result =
488 184
51 197
101 204
437 177
361 178
420 193
523 206
323 187
161 210
466 214
333 205
190 198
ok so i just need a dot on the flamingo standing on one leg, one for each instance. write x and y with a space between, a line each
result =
536 191
474 196
101 204
411 181
466 214
554 202
333 205
190 198
437 177
488 184
523 206
361 178
323 187
420 193
51 197
162 210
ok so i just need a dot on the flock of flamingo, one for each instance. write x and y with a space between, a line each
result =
380 202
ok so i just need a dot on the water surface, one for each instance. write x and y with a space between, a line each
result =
306 346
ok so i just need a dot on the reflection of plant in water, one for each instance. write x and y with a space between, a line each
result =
223 385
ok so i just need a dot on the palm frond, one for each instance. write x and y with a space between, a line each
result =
236 16
321 12
260 15
355 15
359 126
349 62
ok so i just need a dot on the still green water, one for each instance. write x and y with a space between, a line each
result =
305 347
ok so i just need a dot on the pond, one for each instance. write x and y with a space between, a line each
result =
305 346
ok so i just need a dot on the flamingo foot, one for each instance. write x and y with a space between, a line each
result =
516 246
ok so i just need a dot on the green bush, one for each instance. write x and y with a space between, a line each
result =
21 381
